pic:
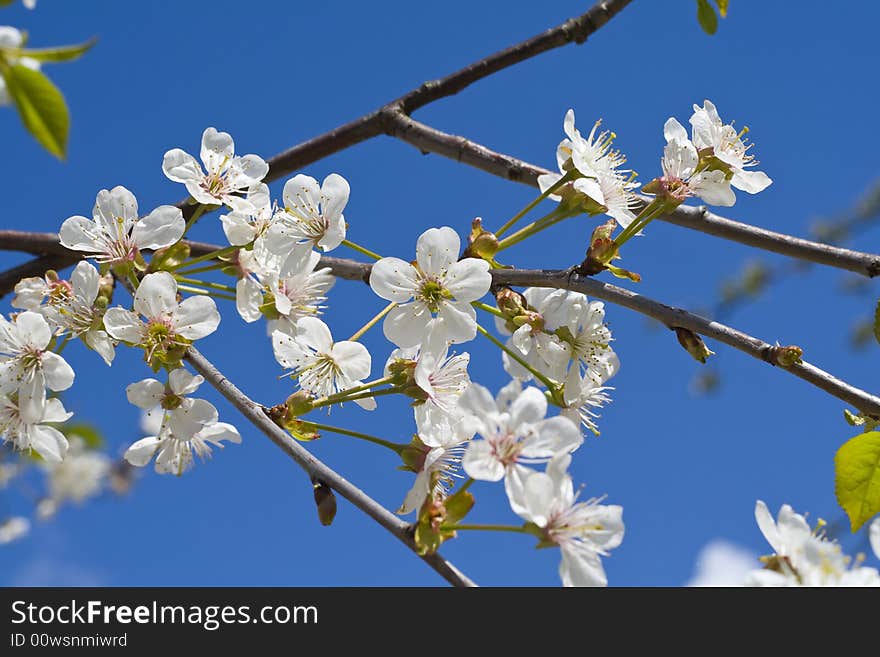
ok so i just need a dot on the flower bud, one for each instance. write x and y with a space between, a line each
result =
693 344
106 286
481 243
510 302
325 500
786 356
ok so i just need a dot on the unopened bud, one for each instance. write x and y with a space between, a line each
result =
601 252
325 500
510 302
786 356
481 243
693 344
413 455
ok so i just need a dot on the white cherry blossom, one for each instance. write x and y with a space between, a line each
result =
603 184
27 367
227 175
244 227
442 445
584 531
681 177
515 434
168 326
69 306
804 557
29 433
583 396
174 448
435 294
185 414
115 235
80 476
291 298
724 143
311 218
323 367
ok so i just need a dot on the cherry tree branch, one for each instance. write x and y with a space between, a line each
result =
353 270
461 149
317 470
676 317
574 30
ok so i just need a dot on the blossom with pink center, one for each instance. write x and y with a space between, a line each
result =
227 175
584 531
115 235
515 434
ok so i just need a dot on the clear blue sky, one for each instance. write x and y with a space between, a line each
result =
687 470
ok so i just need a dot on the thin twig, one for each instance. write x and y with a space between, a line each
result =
317 470
460 149
673 317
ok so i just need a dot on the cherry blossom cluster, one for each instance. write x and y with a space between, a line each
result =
555 345
804 556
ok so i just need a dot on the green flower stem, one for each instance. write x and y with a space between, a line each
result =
359 395
63 344
366 327
360 249
650 212
195 217
345 394
132 279
208 284
519 215
488 309
213 255
559 214
465 485
486 528
395 447
543 379
207 293
199 270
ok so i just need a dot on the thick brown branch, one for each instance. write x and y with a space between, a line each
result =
317 470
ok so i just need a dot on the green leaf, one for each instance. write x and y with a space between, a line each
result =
857 478
707 17
58 53
877 322
88 432
722 7
41 106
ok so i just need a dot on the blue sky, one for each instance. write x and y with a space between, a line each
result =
686 469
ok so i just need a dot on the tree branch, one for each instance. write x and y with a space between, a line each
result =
460 149
574 30
317 470
673 317
360 271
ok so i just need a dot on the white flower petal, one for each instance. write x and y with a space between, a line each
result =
437 249
195 317
124 325
394 280
142 452
468 279
156 296
146 393
163 227
480 463
407 325
58 374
